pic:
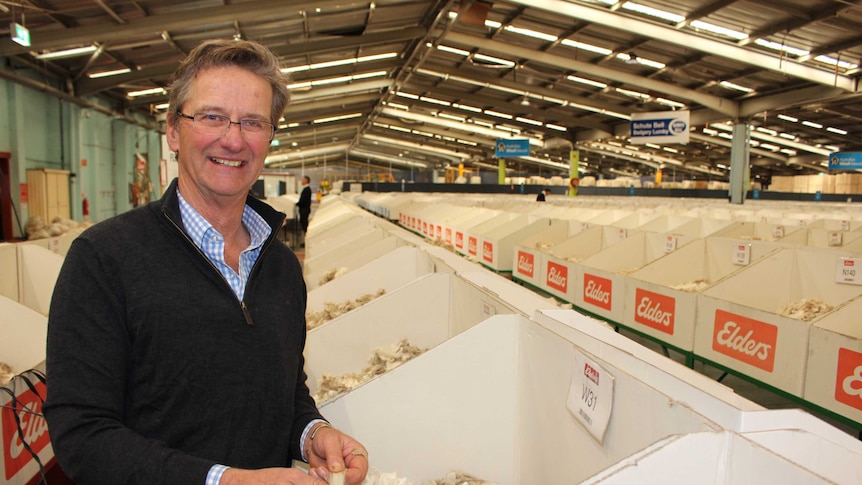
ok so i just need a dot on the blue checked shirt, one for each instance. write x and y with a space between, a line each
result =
211 243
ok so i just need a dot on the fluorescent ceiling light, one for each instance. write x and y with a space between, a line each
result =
835 62
653 12
737 87
529 121
787 136
145 92
498 114
407 95
495 60
715 29
531 33
586 47
466 107
671 103
640 60
337 118
588 82
451 117
492 24
788 118
434 101
812 124
339 62
837 130
781 47
162 106
632 94
116 72
397 105
556 127
78 51
452 50
767 131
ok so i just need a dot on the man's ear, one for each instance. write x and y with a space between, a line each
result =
172 132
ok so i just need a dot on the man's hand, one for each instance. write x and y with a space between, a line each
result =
332 451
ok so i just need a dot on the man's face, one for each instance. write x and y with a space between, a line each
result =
227 165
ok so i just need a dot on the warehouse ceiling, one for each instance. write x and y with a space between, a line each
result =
424 84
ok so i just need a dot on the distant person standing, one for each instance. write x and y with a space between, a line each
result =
304 204
542 194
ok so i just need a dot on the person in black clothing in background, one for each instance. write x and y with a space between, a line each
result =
542 194
304 205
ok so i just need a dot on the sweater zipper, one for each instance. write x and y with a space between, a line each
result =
245 312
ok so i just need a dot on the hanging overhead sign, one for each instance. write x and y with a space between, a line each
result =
514 147
845 160
660 127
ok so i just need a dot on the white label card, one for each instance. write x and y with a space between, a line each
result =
835 238
623 234
591 396
778 232
742 254
845 225
670 244
848 271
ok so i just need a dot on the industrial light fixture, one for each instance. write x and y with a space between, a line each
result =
633 59
525 101
77 51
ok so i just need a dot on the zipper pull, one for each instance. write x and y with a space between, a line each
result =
247 314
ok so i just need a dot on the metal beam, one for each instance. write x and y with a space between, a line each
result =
692 41
723 105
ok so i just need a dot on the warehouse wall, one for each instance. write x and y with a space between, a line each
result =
40 130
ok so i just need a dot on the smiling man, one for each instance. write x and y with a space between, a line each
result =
176 331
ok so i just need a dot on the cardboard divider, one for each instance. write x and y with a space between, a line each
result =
661 297
527 254
600 280
388 272
38 269
315 268
496 246
834 371
22 347
560 260
665 223
9 275
738 321
471 404
449 305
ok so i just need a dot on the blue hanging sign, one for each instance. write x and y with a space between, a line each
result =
660 127
512 148
845 160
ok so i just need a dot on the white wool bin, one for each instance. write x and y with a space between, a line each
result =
38 269
388 272
426 311
523 300
834 372
661 297
9 275
635 220
738 321
23 348
527 254
559 261
315 268
600 280
608 217
665 223
763 231
497 245
704 226
464 217
492 402
467 240
722 458
337 241
832 238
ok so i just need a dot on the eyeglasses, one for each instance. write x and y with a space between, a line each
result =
213 124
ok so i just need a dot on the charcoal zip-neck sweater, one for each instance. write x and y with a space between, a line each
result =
156 371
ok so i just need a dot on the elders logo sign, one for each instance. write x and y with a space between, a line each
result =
488 251
525 263
459 240
745 339
34 427
558 276
848 378
598 291
655 310
449 235
471 245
